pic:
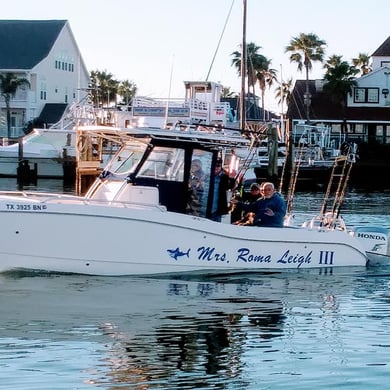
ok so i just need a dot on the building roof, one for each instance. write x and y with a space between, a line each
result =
253 111
24 43
383 50
52 113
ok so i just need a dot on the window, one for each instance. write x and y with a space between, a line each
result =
199 182
164 163
43 90
372 95
366 95
359 95
336 128
359 129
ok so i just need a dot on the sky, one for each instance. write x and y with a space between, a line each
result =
159 44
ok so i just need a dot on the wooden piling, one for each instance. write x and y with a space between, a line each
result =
89 157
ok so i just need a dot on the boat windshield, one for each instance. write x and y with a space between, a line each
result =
164 163
125 161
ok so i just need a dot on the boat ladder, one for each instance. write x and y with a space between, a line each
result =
337 186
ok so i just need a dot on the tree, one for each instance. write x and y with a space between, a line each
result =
9 84
339 80
226 93
266 77
104 88
305 49
283 92
362 62
257 70
253 64
127 90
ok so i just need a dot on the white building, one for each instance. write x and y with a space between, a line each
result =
44 52
365 117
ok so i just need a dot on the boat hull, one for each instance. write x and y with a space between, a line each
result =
75 237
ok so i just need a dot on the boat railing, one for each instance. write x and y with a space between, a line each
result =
327 221
143 101
323 222
37 197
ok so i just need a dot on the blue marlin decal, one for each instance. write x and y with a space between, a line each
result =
176 253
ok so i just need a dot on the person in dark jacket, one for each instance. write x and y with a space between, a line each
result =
222 183
246 218
269 211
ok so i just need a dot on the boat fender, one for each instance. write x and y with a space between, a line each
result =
374 239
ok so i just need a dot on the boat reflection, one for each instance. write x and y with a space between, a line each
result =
209 338
171 333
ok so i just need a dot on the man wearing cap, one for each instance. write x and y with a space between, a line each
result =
255 192
246 218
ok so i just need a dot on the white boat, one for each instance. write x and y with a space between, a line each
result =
44 151
137 219
201 105
48 152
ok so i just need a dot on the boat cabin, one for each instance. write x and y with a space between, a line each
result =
173 169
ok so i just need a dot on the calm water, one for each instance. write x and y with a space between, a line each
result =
296 330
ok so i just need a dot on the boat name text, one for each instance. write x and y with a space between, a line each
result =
244 255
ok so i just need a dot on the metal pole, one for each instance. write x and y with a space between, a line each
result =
243 70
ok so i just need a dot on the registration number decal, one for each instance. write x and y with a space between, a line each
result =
25 207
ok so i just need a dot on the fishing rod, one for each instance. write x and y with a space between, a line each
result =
345 162
350 161
244 167
293 179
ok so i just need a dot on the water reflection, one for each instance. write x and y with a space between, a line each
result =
41 185
205 340
241 331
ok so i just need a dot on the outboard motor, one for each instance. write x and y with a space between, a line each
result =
375 240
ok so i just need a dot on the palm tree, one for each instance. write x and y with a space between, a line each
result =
283 92
9 84
362 62
266 77
254 59
305 49
339 80
104 87
227 93
127 90
256 63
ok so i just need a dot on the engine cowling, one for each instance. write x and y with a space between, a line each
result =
375 240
